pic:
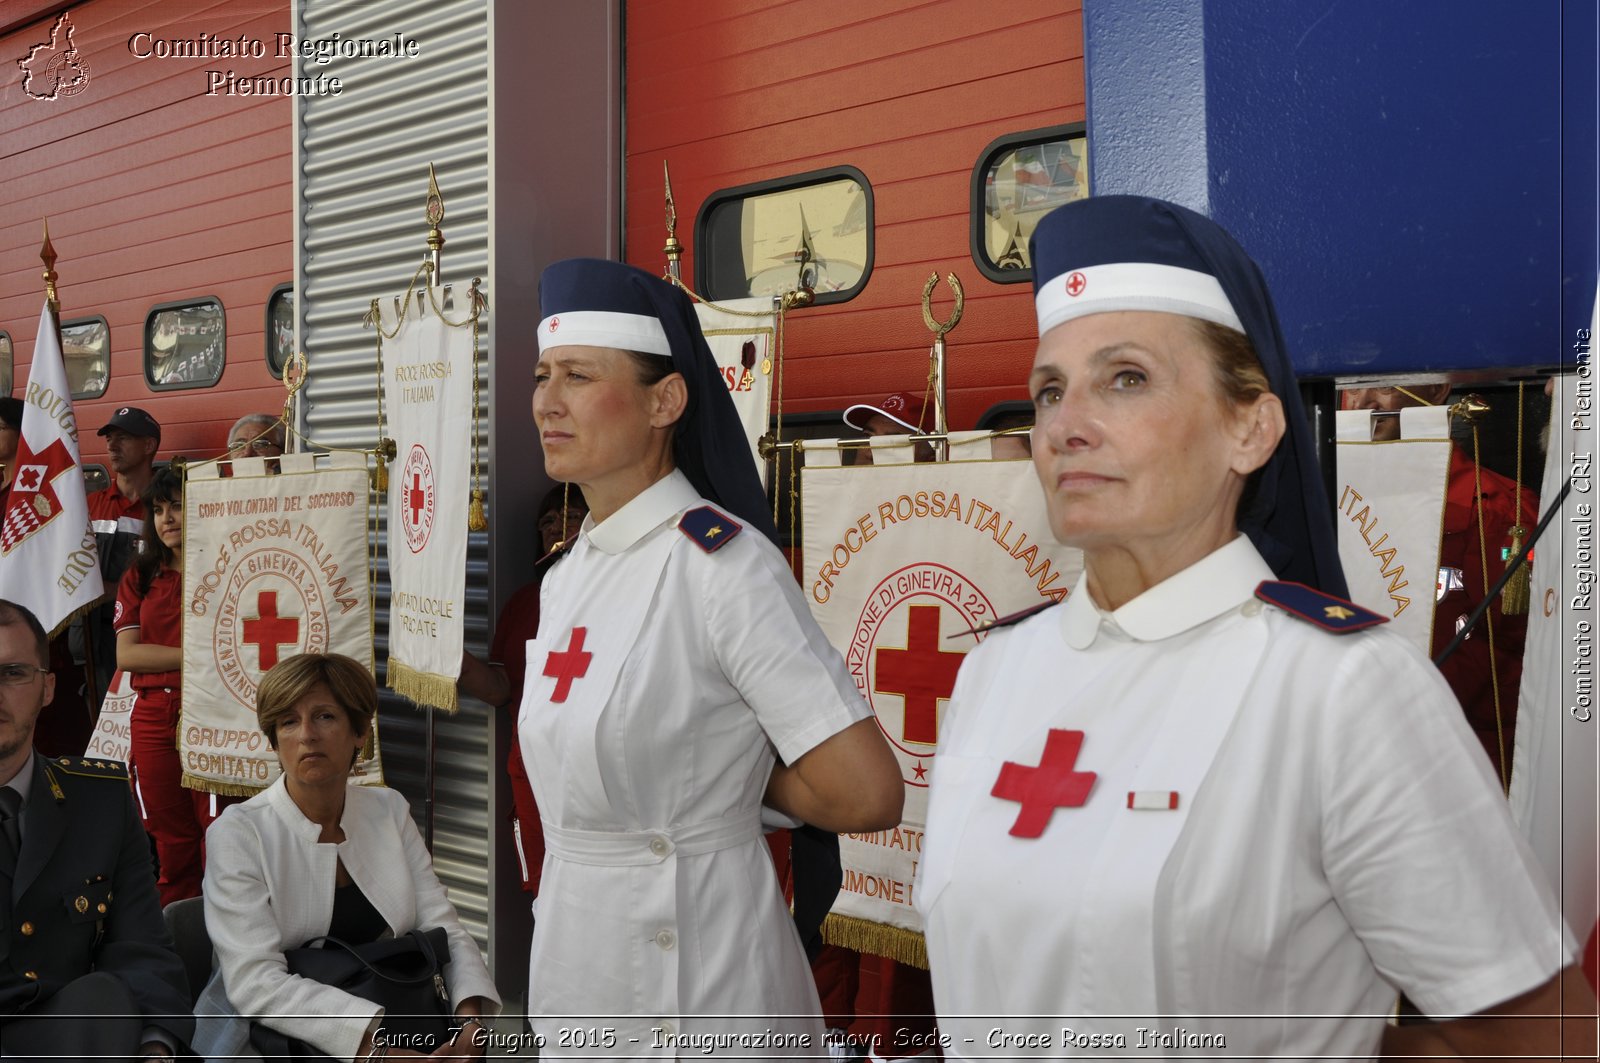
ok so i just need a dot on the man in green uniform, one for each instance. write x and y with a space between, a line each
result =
81 933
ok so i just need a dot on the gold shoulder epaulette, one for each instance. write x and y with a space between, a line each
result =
91 767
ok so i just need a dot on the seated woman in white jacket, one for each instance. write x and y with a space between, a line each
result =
312 856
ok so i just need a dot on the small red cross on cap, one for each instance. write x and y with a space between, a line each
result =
1076 283
555 323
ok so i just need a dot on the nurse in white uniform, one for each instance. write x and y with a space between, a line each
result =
1194 810
676 682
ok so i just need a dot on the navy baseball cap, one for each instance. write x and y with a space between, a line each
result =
133 421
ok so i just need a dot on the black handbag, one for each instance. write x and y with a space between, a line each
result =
404 974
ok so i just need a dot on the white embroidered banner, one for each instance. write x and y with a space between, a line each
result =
273 565
898 559
1390 512
112 731
47 547
740 334
427 386
1554 792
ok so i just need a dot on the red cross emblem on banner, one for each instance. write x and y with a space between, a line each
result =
565 666
266 631
1052 785
416 498
33 501
921 673
1076 283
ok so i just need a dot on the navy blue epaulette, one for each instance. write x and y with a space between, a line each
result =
709 528
90 767
1005 621
1327 611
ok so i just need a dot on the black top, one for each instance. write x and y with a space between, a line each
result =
355 920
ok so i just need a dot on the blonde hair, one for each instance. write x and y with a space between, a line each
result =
347 679
1238 367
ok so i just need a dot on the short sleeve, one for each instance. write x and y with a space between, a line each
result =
771 649
1418 843
126 614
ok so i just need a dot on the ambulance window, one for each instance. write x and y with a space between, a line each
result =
280 328
95 478
1018 180
5 363
86 349
812 230
185 344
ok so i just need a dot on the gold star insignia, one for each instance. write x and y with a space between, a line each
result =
713 531
1337 612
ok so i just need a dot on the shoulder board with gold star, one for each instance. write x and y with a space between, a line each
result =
1327 611
1005 621
90 767
709 528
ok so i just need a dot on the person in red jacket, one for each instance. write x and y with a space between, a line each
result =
1465 559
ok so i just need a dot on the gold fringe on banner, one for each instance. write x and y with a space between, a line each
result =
221 789
879 939
424 688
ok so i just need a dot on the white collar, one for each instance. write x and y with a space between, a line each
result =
1216 584
643 513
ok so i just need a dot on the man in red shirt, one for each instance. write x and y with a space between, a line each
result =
117 514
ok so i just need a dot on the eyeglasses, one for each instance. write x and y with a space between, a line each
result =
258 445
14 675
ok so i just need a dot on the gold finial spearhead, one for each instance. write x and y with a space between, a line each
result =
47 255
435 214
672 248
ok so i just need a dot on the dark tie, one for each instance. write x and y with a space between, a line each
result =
10 830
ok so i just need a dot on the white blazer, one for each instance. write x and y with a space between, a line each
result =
269 887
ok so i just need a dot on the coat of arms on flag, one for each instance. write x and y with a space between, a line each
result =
46 542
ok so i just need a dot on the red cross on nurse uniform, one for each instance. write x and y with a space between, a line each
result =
1053 784
568 665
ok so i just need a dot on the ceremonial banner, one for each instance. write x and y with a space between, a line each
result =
898 559
1554 794
112 734
273 565
427 369
47 546
1391 515
740 334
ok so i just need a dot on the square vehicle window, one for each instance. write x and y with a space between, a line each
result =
280 328
86 349
1018 180
185 344
812 230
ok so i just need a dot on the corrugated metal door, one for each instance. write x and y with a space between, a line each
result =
361 175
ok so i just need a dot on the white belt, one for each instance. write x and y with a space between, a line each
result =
607 848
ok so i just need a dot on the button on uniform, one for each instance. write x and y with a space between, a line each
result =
660 846
27 930
666 939
1251 608
32 976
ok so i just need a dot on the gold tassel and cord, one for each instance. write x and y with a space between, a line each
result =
424 688
879 939
1514 596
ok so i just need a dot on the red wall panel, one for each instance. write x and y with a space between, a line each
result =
155 192
730 92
